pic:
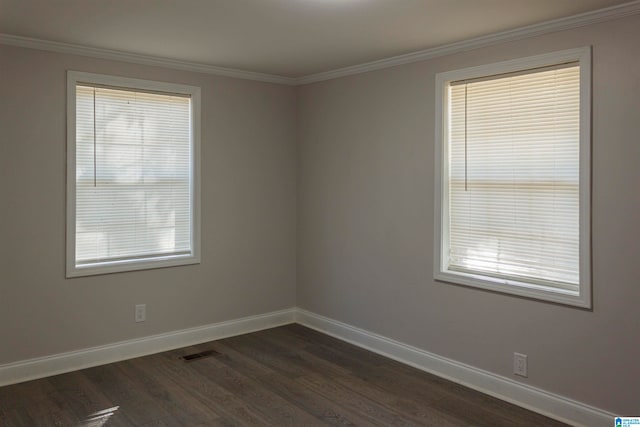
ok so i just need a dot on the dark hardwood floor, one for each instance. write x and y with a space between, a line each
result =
290 375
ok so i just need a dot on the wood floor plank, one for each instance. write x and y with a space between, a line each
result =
291 375
272 406
377 413
132 398
17 394
203 392
302 356
16 416
85 400
172 396
419 411
325 409
274 357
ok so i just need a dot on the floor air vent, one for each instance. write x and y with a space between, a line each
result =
196 356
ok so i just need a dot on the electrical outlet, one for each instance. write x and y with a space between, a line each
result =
520 364
141 312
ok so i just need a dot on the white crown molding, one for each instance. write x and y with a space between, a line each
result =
543 402
117 55
587 18
26 370
580 20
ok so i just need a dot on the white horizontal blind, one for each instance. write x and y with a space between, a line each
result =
133 175
514 176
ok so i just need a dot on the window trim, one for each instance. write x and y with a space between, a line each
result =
72 270
441 238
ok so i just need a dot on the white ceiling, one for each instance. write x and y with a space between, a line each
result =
291 38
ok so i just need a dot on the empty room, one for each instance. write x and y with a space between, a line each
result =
319 212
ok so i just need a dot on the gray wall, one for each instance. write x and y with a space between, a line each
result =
365 224
248 214
365 214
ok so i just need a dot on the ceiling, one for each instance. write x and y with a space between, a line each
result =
289 38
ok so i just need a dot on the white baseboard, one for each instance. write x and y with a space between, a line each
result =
543 402
552 405
72 361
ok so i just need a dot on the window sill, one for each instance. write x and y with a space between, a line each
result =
513 287
130 265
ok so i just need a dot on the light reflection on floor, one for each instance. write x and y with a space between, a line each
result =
98 419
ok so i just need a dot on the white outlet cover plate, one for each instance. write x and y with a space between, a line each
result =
520 364
141 312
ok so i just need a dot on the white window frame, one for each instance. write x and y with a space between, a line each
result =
515 287
73 270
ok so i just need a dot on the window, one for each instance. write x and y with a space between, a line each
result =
513 178
132 174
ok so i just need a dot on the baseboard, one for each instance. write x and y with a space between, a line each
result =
552 405
72 361
549 404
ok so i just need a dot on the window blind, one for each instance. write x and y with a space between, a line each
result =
514 176
133 175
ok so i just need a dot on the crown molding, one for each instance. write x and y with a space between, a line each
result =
117 55
580 20
583 19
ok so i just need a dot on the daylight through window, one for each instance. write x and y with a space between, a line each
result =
513 181
133 181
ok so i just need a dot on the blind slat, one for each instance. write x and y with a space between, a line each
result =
133 174
514 176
